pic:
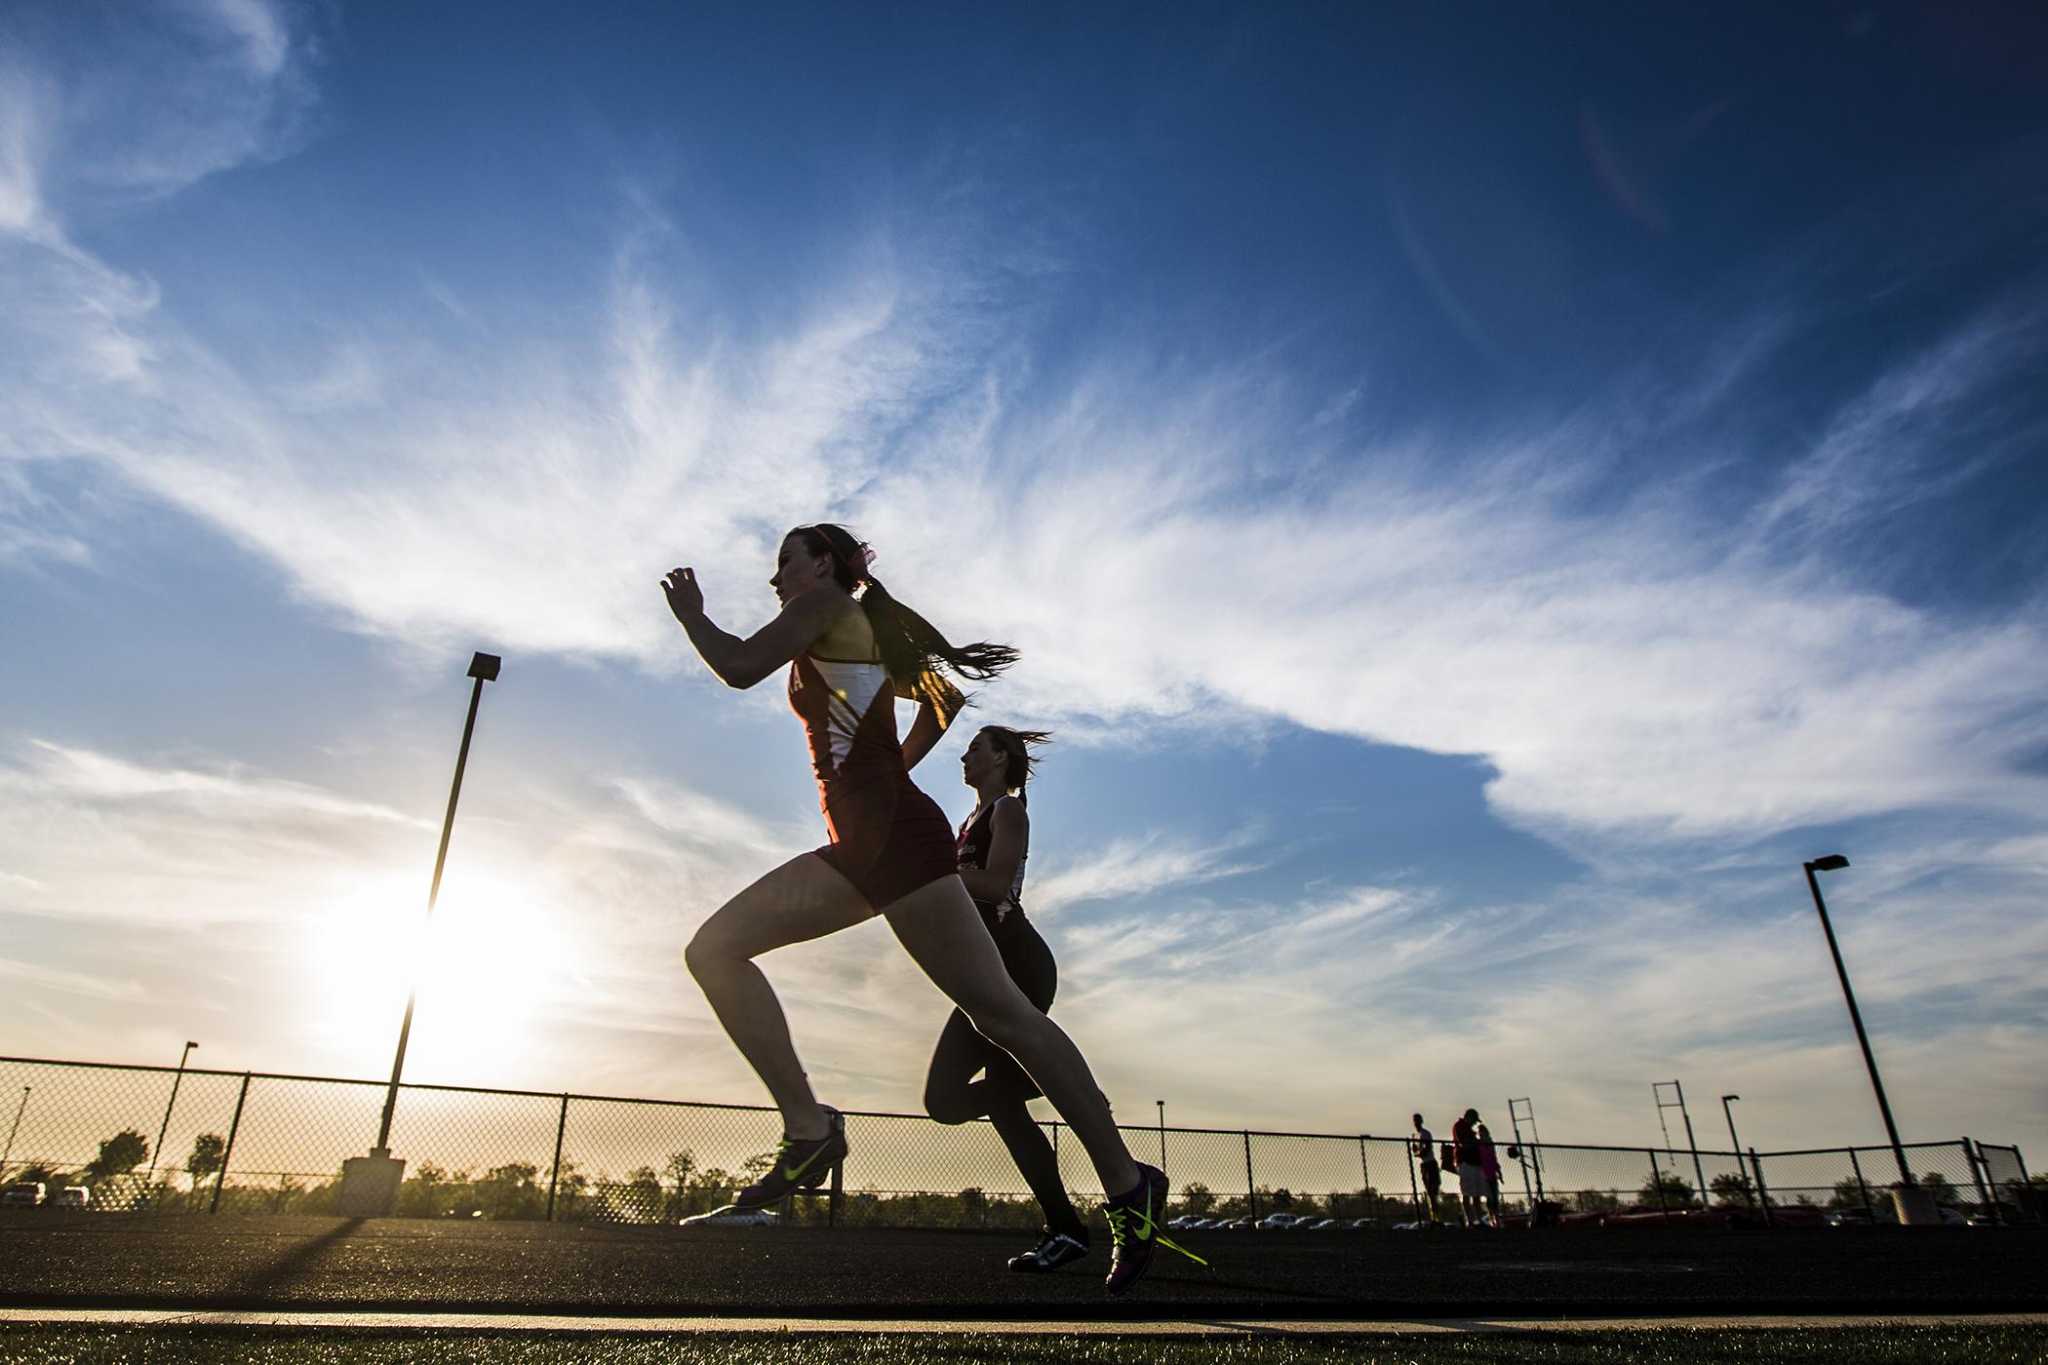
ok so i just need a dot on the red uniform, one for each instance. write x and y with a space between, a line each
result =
888 838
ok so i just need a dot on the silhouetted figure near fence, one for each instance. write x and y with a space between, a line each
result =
992 848
1423 1145
1471 1172
890 853
1489 1167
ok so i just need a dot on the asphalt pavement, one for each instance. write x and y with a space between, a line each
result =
404 1265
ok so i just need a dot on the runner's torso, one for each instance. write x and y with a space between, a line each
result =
847 702
972 850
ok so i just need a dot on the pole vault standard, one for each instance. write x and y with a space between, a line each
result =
369 1185
1699 1172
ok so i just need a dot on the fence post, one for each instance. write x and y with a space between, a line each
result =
1251 1186
1763 1195
838 1193
234 1127
1365 1174
1657 1183
1976 1161
555 1176
1857 1166
1414 1195
1522 1160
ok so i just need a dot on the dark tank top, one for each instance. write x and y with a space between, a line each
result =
976 839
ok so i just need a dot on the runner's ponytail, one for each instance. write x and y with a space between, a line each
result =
917 656
1020 758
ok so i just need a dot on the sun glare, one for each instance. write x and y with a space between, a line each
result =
481 964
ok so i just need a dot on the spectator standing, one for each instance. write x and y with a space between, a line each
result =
1489 1166
1423 1146
1471 1173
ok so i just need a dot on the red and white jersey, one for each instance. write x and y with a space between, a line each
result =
848 708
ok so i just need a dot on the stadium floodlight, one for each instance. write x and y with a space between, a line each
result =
1835 862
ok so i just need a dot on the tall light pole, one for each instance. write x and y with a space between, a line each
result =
177 1080
1734 1141
1834 862
484 668
15 1129
1162 1130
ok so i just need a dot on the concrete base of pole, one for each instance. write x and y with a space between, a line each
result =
1915 1207
369 1185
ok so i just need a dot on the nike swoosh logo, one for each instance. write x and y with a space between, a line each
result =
792 1172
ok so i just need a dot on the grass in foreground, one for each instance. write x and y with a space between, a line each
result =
31 1345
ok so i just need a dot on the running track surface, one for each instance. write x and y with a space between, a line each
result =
52 1259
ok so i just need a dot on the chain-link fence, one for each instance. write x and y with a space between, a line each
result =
128 1138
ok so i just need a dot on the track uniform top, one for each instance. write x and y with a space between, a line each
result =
887 837
971 851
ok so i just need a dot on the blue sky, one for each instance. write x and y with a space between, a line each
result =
1481 495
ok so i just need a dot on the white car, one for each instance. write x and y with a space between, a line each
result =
734 1218
1276 1222
24 1194
73 1197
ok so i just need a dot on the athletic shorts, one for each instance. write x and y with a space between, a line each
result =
888 838
1472 1182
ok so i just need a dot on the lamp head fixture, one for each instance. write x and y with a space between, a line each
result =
1833 862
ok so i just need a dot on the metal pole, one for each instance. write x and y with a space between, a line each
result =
555 1176
1763 1195
1414 1194
1699 1172
1251 1188
1857 1166
234 1127
15 1129
483 667
1977 1174
1534 1147
1856 1017
1162 1130
157 1151
1365 1174
1734 1141
1657 1183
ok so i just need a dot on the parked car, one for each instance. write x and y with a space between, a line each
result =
1849 1218
1276 1222
25 1194
1315 1224
73 1197
734 1218
1360 1224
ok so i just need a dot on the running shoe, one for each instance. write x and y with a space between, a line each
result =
1056 1250
798 1166
1134 1230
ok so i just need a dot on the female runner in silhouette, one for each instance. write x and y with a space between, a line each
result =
851 650
992 848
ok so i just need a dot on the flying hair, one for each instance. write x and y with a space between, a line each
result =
917 656
1020 755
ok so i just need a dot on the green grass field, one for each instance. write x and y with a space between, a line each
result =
37 1345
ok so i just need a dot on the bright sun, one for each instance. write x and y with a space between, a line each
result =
482 963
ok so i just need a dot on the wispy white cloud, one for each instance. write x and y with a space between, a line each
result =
70 983
1137 865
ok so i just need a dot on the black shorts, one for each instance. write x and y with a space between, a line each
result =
1030 964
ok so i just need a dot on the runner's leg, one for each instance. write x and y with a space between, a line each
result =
940 928
801 900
